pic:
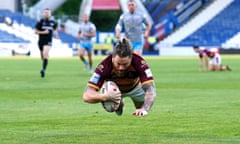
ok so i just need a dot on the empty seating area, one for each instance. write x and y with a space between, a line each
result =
5 37
159 9
218 30
170 14
25 25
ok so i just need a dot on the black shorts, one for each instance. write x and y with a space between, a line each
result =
42 44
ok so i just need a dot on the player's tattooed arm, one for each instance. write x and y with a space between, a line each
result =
150 94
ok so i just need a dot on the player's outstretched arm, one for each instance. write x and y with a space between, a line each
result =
150 94
41 32
118 31
148 29
56 34
91 95
200 64
206 63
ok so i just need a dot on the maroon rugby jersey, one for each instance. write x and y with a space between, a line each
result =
138 71
206 52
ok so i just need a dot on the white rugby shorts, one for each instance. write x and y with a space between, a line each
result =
216 60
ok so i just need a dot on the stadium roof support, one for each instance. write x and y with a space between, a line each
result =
36 11
85 8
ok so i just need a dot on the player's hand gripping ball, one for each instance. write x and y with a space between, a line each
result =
111 89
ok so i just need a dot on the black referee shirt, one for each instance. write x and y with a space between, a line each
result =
46 24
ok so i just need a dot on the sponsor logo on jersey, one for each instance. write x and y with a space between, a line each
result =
95 78
148 73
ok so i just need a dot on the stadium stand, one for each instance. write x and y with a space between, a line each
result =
233 43
6 37
158 10
151 6
36 10
24 25
170 14
218 30
213 25
177 23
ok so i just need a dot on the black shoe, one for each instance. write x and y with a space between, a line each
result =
228 68
42 72
119 111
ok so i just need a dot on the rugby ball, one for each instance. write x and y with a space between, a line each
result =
108 87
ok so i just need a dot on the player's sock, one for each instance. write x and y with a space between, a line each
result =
90 69
85 65
228 68
45 63
42 72
44 66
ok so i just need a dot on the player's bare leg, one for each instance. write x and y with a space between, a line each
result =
225 68
81 52
213 67
41 54
220 68
90 61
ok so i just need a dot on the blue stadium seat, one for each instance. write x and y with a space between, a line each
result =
5 37
27 21
151 6
222 27
158 10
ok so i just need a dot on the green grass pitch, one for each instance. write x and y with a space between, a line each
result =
191 107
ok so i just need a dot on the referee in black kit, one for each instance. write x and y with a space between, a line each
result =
45 29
